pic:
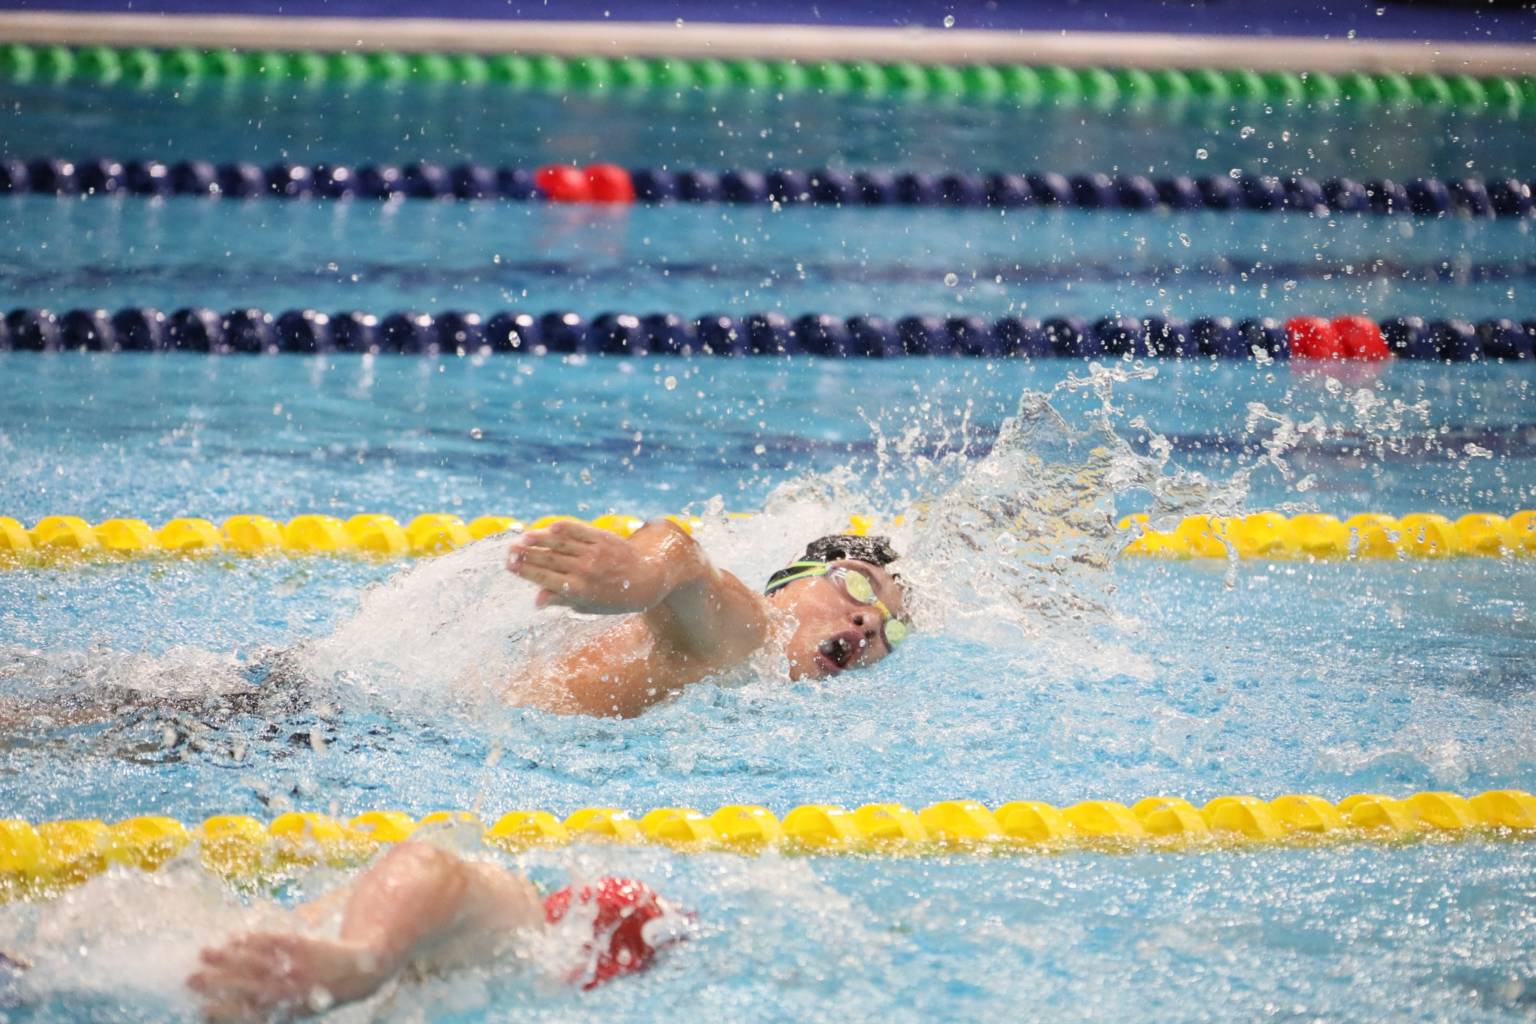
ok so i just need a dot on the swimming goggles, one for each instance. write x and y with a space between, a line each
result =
854 583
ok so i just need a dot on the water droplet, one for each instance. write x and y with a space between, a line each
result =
1202 153
1247 131
949 21
1184 239
951 279
759 450
476 433
670 383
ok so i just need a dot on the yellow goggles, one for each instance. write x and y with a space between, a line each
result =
854 583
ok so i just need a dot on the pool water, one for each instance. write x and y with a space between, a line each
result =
1031 677
697 260
377 122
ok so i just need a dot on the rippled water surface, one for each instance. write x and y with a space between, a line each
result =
253 686
1185 678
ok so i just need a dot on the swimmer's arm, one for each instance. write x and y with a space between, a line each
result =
418 895
411 900
692 608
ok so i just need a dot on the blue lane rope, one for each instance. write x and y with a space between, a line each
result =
416 333
1424 197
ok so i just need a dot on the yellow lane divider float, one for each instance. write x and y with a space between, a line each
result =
57 853
69 540
1270 535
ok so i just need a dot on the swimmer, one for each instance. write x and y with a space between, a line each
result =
686 619
423 908
683 620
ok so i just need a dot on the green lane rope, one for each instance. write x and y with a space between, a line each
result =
1017 84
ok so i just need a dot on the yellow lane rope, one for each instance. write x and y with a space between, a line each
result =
66 540
44 857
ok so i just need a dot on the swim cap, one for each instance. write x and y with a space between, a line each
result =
839 547
631 923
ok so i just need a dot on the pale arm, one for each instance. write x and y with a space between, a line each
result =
660 572
413 899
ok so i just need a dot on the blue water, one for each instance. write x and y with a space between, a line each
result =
1057 682
1187 682
696 260
537 436
216 120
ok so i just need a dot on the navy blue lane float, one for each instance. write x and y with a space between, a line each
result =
875 337
608 183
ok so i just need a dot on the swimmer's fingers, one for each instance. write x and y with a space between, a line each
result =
560 589
537 552
543 558
553 583
246 979
263 956
569 537
235 955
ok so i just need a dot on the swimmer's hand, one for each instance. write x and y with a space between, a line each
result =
601 573
267 975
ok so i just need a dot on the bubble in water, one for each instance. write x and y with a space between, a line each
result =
1247 131
949 21
670 383
1202 153
951 279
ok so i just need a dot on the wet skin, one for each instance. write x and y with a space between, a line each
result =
683 620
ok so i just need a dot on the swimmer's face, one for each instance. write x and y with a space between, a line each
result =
834 632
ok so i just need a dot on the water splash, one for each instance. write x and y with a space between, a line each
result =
125 937
1005 537
1017 539
1024 542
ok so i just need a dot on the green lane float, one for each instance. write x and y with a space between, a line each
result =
1018 84
42 858
67 540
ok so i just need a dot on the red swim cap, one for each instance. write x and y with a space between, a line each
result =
621 943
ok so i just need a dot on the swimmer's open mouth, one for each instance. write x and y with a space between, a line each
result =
837 653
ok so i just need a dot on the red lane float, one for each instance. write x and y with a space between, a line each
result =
562 184
610 183
1312 337
598 183
1355 338
1361 338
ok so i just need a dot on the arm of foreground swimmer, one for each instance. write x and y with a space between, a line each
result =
660 571
418 895
412 899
